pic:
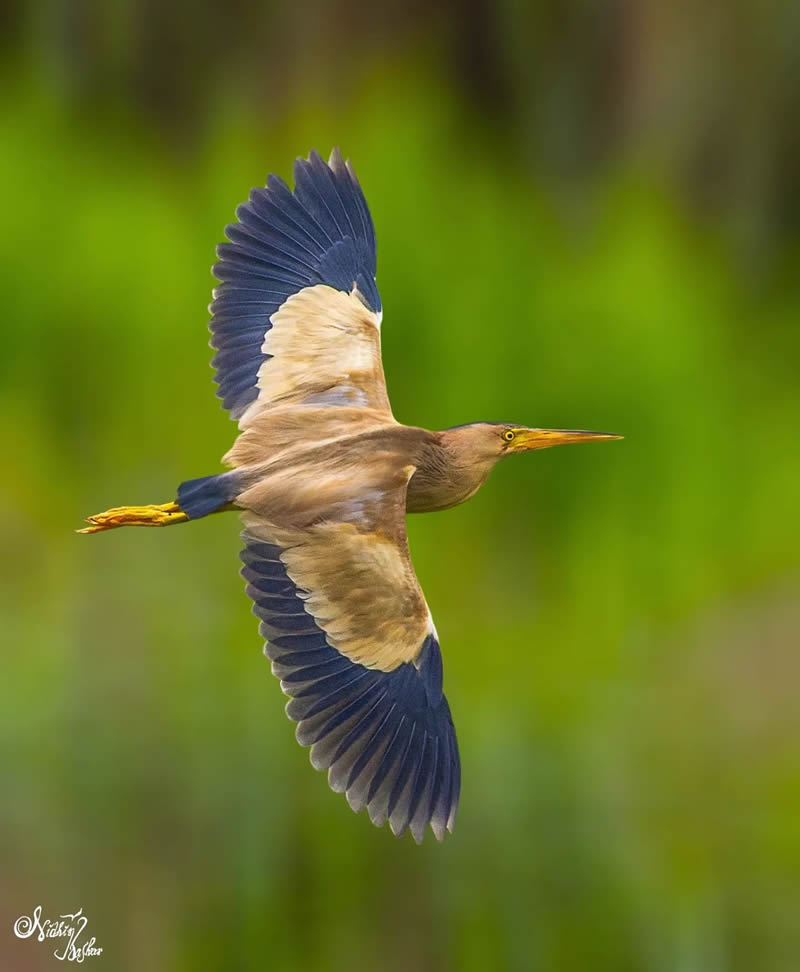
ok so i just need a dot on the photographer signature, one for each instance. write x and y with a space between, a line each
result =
69 927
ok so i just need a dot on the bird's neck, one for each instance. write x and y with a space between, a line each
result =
445 475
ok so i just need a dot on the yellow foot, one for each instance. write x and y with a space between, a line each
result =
164 515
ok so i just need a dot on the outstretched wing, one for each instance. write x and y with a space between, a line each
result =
353 642
297 281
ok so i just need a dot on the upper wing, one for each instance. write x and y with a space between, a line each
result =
302 263
353 642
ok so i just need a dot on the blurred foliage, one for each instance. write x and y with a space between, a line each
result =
620 623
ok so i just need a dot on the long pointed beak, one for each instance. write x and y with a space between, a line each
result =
544 438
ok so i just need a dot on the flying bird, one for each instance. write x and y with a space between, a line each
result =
323 475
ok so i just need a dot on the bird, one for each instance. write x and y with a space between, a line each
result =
323 476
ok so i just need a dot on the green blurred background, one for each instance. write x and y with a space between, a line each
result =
587 215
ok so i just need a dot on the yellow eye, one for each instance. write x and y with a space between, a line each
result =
509 436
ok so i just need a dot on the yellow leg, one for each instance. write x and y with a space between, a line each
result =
164 515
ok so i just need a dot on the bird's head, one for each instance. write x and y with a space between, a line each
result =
486 442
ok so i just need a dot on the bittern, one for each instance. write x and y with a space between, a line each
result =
324 475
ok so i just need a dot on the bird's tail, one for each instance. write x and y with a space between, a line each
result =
209 494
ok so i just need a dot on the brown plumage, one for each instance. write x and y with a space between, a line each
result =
324 476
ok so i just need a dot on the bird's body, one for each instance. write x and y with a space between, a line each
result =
324 475
444 473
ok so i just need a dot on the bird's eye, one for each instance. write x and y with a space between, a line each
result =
509 436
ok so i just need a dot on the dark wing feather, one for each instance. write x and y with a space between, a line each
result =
286 241
386 738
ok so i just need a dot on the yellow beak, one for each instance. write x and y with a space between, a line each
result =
528 439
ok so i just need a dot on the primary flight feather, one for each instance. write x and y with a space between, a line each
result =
324 475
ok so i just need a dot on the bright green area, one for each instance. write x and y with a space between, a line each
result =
619 622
